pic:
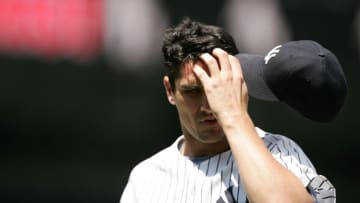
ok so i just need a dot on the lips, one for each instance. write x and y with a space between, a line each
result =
209 120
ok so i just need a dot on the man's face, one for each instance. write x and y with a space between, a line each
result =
195 116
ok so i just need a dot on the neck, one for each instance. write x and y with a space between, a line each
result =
195 148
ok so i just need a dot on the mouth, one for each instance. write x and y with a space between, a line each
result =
209 121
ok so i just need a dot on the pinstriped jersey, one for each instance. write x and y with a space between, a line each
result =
169 176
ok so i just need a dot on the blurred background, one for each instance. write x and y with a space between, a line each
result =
82 102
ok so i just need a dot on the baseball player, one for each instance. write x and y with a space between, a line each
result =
221 156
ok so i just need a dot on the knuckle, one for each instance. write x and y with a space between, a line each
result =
237 77
234 60
208 59
214 85
211 61
228 77
219 52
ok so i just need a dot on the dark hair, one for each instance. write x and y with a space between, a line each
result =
186 41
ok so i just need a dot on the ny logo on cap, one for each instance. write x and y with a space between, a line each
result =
272 53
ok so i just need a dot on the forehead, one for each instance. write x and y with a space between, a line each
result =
187 76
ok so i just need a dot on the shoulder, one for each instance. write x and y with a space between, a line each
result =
275 141
290 155
155 161
284 148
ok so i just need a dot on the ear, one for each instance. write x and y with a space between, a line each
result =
169 91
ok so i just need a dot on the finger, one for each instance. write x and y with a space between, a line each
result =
201 74
223 58
237 73
211 63
236 67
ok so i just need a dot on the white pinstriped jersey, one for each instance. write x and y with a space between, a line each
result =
168 176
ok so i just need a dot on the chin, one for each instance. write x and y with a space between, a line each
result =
212 138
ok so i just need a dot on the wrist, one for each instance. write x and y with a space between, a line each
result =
234 120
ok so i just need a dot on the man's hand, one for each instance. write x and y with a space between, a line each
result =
223 85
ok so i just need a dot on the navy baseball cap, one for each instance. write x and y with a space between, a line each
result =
303 74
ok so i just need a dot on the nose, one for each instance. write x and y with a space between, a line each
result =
205 104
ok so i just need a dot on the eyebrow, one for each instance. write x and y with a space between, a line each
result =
189 87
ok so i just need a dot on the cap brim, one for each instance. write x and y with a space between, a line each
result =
252 68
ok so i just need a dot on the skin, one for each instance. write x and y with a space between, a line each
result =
203 136
212 124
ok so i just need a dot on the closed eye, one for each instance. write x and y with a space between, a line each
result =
191 90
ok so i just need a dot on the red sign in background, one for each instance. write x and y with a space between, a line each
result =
52 28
